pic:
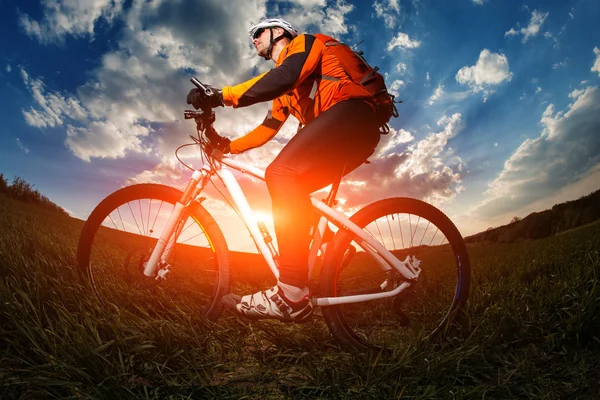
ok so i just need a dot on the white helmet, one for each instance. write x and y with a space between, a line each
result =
274 23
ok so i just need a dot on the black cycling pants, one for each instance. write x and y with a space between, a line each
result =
339 139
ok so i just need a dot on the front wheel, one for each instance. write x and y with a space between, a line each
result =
119 236
407 228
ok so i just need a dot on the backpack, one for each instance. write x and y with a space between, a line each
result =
361 72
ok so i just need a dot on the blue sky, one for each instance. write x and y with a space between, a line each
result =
501 112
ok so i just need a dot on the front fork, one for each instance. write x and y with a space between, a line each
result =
168 237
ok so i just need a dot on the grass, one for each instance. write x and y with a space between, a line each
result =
532 332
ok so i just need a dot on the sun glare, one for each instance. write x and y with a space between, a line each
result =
263 216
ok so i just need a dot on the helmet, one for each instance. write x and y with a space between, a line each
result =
273 23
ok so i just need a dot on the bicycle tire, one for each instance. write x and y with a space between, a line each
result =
109 244
437 265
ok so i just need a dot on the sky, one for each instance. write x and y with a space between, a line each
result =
500 114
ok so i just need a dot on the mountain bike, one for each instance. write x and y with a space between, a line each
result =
396 270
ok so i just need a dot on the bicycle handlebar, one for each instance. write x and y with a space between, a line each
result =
207 90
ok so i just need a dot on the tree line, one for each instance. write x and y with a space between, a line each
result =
561 217
24 191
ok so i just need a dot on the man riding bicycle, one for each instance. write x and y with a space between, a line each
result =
340 132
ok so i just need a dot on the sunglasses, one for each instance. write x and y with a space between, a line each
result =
258 32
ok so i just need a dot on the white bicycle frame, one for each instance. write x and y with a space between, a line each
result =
409 268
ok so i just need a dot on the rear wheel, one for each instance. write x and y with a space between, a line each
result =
407 228
119 236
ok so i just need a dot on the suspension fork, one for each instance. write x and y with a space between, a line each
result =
173 226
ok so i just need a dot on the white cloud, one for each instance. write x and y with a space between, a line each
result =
437 93
70 17
8 68
403 42
427 77
325 19
479 2
596 66
401 67
560 64
490 70
53 108
394 88
391 141
142 82
538 90
426 169
535 23
566 150
389 10
576 93
22 146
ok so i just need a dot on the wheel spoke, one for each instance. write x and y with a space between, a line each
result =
121 218
400 226
379 230
419 310
424 232
157 214
390 228
196 275
134 219
142 217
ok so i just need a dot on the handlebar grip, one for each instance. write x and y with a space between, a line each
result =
207 90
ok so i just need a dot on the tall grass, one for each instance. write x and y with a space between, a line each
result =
532 332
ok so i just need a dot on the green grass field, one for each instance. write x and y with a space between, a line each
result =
533 331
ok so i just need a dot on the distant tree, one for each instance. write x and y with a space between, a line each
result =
24 191
3 184
561 217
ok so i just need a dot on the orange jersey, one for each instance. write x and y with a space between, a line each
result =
307 80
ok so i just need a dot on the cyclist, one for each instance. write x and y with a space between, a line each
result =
338 135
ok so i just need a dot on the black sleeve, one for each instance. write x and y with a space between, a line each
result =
279 80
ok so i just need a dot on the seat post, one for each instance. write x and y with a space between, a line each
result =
330 201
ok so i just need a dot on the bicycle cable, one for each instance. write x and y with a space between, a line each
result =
200 142
181 147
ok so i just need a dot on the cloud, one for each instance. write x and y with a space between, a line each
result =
391 141
389 10
70 17
566 150
330 20
403 42
22 146
490 70
427 169
401 67
535 23
479 2
143 81
596 66
560 64
8 68
437 93
394 88
576 93
52 107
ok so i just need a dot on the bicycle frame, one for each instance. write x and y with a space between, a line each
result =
219 165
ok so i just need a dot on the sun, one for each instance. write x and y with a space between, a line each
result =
263 216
